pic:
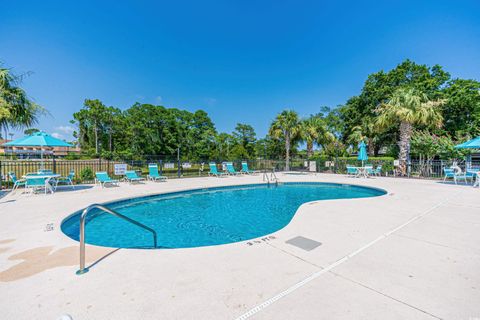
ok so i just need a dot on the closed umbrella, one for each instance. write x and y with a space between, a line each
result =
38 139
362 152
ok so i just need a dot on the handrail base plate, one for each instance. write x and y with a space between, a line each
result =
80 272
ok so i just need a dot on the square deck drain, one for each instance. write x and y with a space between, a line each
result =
304 243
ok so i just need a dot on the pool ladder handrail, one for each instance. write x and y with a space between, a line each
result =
83 216
273 176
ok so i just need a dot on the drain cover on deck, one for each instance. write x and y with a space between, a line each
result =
304 243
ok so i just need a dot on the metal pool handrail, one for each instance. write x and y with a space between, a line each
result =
82 269
273 176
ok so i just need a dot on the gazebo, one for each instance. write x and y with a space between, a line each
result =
38 139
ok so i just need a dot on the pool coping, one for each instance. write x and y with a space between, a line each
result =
232 187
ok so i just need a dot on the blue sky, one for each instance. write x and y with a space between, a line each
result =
241 61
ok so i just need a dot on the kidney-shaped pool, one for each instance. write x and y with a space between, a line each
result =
206 217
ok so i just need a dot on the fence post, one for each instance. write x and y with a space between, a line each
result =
161 167
178 162
54 164
100 164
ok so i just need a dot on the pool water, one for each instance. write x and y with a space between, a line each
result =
206 217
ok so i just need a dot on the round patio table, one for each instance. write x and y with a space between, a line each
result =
47 178
362 172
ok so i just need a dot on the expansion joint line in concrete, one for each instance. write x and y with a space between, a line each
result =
385 295
317 274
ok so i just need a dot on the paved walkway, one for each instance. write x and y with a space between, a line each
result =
411 254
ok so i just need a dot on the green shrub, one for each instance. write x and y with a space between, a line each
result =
86 174
72 156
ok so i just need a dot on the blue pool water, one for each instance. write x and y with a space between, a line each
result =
206 217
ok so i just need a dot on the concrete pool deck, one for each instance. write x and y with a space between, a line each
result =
411 254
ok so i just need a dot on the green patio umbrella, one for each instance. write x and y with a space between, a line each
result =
38 139
362 152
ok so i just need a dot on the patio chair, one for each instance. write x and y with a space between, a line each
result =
465 175
378 171
351 171
369 169
457 174
35 184
477 179
131 177
245 169
214 171
103 178
471 175
153 173
16 182
68 180
449 173
231 169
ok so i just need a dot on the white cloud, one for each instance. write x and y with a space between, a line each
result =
57 135
65 129
158 100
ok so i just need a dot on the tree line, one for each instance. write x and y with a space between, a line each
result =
411 110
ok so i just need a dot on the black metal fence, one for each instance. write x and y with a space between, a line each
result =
433 169
85 169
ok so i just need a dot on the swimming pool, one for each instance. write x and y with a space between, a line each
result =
206 217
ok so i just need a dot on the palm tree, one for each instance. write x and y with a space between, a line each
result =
408 108
314 130
366 131
287 126
30 131
16 109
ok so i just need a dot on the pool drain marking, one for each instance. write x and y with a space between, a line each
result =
257 241
317 274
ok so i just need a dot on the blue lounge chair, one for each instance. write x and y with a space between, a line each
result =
131 176
378 171
103 178
352 171
68 180
214 171
153 173
231 169
35 184
246 170
16 182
